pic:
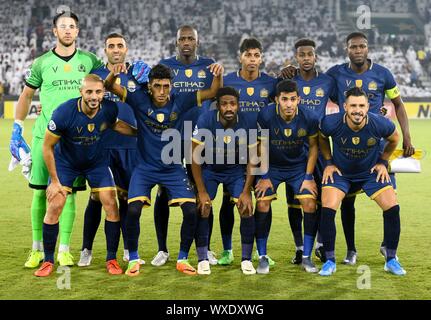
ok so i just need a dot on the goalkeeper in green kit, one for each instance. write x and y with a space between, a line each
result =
57 74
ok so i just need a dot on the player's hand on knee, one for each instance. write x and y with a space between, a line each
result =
261 187
204 204
288 72
140 71
54 189
245 204
382 173
309 185
216 69
328 174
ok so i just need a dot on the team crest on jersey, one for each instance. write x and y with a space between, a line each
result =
67 68
306 90
81 68
202 74
320 93
371 142
173 116
131 86
52 125
264 93
188 73
287 132
302 133
358 83
227 139
91 127
372 85
250 91
160 117
356 140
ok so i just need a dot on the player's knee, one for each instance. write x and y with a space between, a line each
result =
348 204
55 206
263 205
308 205
134 210
189 212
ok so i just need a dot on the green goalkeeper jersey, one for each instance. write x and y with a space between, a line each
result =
59 79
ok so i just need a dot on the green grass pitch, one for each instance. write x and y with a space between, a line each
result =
285 280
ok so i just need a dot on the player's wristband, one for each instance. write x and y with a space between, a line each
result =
329 162
384 162
308 176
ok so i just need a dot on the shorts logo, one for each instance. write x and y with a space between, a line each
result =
356 140
302 133
91 127
173 116
52 125
188 73
81 68
371 142
264 93
287 132
160 117
196 130
227 139
67 68
372 85
320 93
131 86
202 74
306 90
250 91
358 83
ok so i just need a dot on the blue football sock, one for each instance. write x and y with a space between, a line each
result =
112 232
328 231
348 221
247 230
161 218
310 229
92 217
392 230
50 234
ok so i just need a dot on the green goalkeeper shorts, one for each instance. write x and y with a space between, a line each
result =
39 173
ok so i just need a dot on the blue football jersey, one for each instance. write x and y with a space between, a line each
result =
80 144
113 139
253 95
228 148
190 78
377 82
315 93
287 140
152 121
355 153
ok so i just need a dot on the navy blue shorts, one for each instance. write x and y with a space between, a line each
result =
293 180
99 177
366 184
122 162
232 183
173 178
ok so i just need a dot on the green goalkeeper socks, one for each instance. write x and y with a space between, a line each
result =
38 209
66 220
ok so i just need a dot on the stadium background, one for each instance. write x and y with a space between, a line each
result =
399 38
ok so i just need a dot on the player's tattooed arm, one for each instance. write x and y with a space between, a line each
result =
124 128
55 186
330 169
403 120
288 72
110 83
203 198
217 70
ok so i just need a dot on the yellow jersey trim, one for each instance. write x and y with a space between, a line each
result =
178 201
53 134
377 193
103 189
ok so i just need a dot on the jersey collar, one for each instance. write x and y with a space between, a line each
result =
68 58
218 117
277 110
345 116
239 75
